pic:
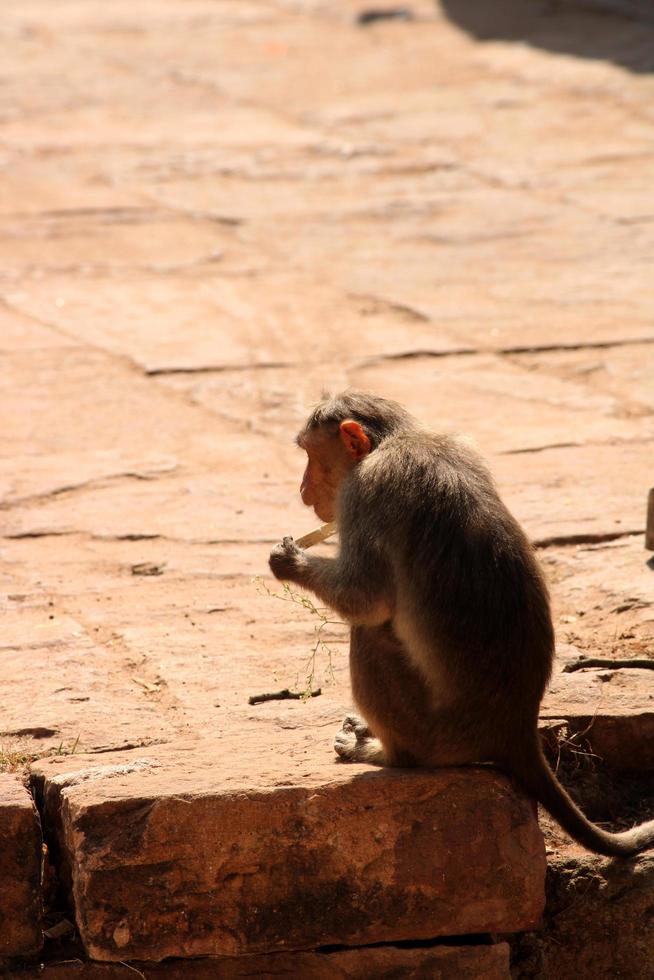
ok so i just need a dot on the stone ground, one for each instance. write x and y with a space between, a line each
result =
210 211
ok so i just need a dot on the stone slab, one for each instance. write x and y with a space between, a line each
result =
69 687
602 606
28 479
612 711
69 412
124 109
227 848
580 494
32 186
200 508
609 904
623 374
229 321
106 658
99 241
20 870
19 332
525 410
381 963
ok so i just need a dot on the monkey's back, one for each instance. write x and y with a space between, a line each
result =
462 567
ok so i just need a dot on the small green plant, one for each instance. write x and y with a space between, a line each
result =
320 645
62 750
13 757
16 755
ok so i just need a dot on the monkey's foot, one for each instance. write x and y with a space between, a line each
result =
355 742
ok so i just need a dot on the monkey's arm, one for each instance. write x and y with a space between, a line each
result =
355 584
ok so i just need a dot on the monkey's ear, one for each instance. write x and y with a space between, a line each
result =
354 439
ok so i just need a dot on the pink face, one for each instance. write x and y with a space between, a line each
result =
326 466
330 459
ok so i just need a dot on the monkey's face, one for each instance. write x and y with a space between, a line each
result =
327 464
330 458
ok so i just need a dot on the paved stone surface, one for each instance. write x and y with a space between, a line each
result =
20 870
211 211
214 848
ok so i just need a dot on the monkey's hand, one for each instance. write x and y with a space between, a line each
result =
287 561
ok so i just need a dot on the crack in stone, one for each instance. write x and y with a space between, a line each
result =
136 536
99 481
466 240
117 215
516 350
504 351
586 538
544 448
464 351
108 269
583 345
197 214
221 368
21 535
126 746
391 307
50 533
637 441
417 354
81 343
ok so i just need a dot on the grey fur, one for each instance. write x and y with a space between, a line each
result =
452 640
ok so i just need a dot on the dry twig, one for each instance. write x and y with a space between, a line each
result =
611 664
284 695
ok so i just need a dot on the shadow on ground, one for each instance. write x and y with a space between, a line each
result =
620 31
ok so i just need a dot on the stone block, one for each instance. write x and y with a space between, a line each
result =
608 905
20 870
379 962
211 851
613 711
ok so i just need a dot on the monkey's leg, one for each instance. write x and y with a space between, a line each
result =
356 743
353 723
404 711
392 698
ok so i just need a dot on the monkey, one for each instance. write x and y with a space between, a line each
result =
451 633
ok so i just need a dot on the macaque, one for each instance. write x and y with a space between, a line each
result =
452 640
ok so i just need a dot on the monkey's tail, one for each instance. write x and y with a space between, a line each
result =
531 769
